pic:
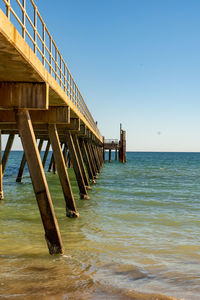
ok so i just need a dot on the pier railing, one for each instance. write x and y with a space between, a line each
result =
111 141
27 20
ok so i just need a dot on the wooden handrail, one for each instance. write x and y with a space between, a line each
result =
49 54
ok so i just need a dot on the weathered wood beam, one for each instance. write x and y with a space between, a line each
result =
116 154
91 158
1 173
46 153
71 210
95 157
103 149
21 169
23 163
7 151
52 233
51 163
80 159
31 95
76 166
58 115
109 155
87 161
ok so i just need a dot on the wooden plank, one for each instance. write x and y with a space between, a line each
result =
52 233
7 151
1 173
76 166
71 210
30 95
80 159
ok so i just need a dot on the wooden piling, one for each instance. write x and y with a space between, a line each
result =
97 157
23 163
109 155
7 151
80 159
76 166
94 158
123 147
93 165
52 233
87 161
71 210
103 149
46 153
21 168
116 154
1 173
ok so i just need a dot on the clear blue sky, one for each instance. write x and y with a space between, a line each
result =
135 62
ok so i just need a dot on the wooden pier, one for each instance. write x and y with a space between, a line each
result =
39 100
119 146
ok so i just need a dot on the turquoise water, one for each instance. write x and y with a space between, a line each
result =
138 232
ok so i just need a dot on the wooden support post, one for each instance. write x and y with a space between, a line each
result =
109 155
1 173
52 233
21 169
23 163
98 156
94 158
91 158
76 166
51 163
123 146
46 153
80 159
99 149
62 172
116 154
87 161
65 153
103 150
54 166
7 151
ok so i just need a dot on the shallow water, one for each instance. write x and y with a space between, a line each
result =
138 232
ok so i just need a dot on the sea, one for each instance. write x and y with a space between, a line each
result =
137 237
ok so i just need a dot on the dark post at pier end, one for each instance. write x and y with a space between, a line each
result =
119 146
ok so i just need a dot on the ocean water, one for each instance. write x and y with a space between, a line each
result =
138 233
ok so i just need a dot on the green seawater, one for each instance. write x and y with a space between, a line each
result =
139 231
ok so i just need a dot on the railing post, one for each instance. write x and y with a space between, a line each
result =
35 29
24 19
8 9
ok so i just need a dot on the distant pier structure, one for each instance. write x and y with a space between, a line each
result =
119 146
